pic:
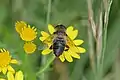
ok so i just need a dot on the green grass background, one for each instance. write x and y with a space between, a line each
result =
67 12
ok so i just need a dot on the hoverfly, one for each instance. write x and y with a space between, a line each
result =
60 41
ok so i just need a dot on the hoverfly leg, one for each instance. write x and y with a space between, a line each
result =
54 32
51 47
67 48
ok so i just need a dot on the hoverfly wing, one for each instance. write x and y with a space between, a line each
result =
71 45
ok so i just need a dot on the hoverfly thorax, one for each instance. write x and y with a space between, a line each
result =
60 28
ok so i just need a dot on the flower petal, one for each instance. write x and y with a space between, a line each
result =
68 57
14 61
51 29
62 58
0 69
19 75
44 34
19 25
69 29
78 42
10 69
4 70
73 54
2 79
42 38
72 33
1 50
46 51
81 50
74 49
10 76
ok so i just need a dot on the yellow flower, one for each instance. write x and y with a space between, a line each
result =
29 47
27 33
18 76
19 25
5 61
72 51
2 79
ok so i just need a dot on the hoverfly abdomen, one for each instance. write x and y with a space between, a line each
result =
58 46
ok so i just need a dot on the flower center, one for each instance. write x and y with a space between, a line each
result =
28 34
29 47
4 59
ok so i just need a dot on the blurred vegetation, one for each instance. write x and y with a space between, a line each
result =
67 12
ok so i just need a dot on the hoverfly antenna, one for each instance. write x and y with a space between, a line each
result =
60 26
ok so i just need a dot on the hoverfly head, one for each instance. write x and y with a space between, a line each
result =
60 27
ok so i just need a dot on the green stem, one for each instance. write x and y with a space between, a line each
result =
48 12
44 60
99 43
105 32
45 67
91 50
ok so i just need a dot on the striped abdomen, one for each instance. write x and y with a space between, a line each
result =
58 46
